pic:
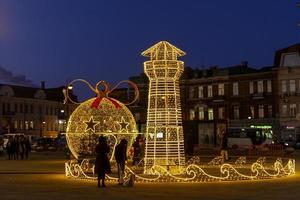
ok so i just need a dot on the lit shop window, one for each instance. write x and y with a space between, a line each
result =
210 114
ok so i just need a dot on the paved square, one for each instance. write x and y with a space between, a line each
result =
44 179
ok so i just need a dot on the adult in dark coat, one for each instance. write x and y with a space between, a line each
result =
136 150
9 147
27 147
224 145
102 165
121 157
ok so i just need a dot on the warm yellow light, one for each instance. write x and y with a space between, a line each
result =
164 137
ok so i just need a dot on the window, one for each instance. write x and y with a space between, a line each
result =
201 113
236 112
31 125
15 124
191 94
235 89
21 108
221 89
251 89
269 86
210 114
283 86
270 111
26 125
252 112
26 108
293 110
221 113
192 114
16 107
21 125
261 113
209 91
31 109
290 59
8 107
284 110
200 92
292 86
260 86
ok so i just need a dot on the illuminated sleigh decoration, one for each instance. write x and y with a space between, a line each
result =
196 172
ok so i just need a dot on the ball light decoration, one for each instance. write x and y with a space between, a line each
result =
97 116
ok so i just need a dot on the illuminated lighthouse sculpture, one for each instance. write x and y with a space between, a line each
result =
164 137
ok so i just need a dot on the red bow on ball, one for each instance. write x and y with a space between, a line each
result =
102 93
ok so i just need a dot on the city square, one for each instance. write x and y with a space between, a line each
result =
80 121
47 181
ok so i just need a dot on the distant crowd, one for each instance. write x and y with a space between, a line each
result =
18 147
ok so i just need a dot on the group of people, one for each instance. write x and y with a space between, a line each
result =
18 147
102 164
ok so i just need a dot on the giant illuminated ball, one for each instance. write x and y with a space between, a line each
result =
110 118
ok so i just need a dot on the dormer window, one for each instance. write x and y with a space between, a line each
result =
290 59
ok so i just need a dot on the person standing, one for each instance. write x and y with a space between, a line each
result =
102 165
27 146
21 147
15 148
224 145
121 157
136 151
9 148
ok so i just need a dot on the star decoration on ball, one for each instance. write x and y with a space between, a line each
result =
123 125
91 124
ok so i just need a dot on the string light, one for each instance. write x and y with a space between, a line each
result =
164 136
195 172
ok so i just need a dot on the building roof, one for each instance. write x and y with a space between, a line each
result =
51 94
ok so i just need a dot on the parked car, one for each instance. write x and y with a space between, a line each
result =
46 144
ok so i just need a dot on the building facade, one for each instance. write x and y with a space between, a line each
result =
240 96
33 111
287 62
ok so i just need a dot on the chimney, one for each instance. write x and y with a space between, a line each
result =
43 85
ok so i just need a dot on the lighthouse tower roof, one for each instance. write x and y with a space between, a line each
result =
163 50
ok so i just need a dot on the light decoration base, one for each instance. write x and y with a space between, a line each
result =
195 171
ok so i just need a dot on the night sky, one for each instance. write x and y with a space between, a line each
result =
60 40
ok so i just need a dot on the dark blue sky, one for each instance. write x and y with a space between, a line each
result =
59 40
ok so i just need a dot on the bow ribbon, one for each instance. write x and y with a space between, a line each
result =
101 94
